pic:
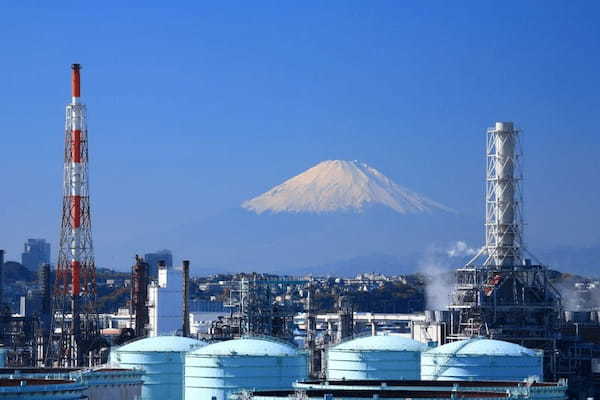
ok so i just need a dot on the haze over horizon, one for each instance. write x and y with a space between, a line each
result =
193 111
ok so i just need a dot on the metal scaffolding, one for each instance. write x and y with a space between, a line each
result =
254 310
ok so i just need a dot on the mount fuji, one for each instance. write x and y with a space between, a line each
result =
337 185
333 212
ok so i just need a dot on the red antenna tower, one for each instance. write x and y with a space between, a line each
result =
75 339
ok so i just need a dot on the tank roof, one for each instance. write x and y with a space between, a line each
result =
381 342
162 344
247 347
482 346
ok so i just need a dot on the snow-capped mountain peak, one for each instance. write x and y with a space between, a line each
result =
337 185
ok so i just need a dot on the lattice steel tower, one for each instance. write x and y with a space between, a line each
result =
503 219
75 332
500 293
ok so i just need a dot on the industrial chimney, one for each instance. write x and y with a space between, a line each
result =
139 296
44 281
1 274
186 298
503 226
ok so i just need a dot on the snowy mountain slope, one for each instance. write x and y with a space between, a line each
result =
340 186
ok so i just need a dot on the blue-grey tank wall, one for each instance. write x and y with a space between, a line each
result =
480 367
345 364
163 378
208 377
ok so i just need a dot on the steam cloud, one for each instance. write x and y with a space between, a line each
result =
461 249
437 264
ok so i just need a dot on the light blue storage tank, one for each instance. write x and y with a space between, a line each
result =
161 358
376 357
481 359
218 370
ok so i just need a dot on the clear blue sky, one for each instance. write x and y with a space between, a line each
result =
196 107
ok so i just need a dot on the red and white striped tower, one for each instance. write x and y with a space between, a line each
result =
75 288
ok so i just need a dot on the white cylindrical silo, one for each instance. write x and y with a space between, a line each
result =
161 358
481 359
376 357
218 370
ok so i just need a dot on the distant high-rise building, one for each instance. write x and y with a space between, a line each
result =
154 258
36 253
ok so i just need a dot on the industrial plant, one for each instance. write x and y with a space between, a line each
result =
505 335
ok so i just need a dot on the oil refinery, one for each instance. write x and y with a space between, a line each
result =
505 335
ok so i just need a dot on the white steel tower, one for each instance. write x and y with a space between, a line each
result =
499 293
503 221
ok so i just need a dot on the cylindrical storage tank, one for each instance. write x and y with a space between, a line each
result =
218 370
40 389
161 358
388 357
481 359
113 383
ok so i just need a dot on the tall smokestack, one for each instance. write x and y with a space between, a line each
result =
1 275
75 285
44 283
503 203
75 196
139 296
186 298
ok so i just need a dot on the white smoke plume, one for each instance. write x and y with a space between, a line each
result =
438 264
569 296
435 265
